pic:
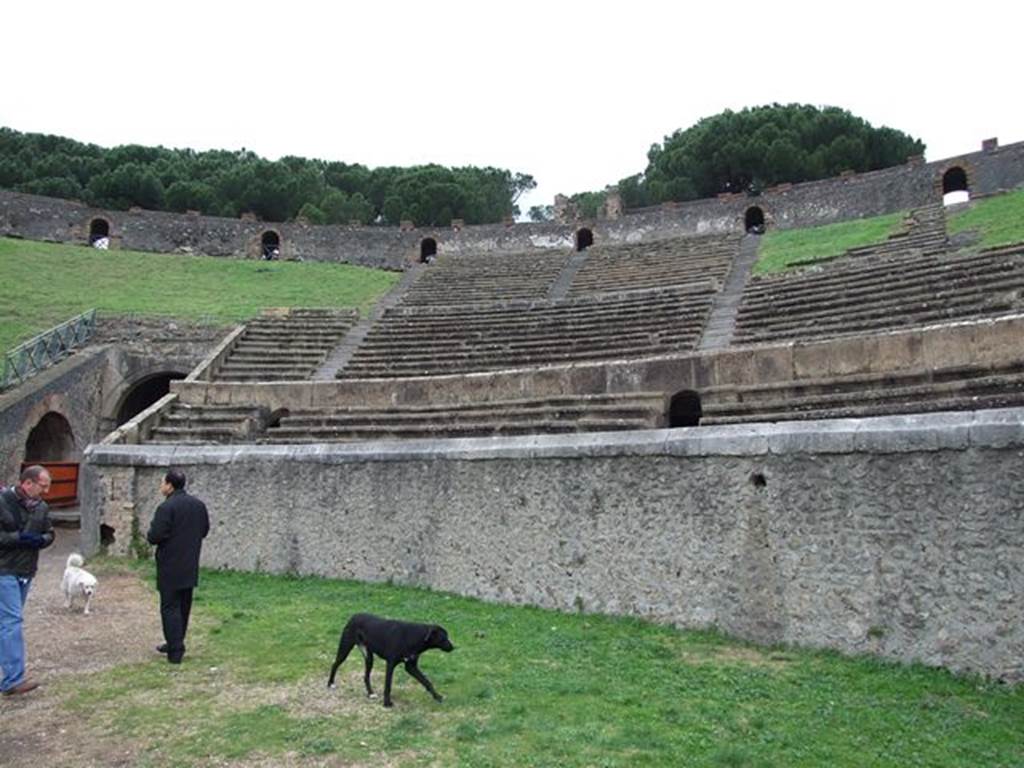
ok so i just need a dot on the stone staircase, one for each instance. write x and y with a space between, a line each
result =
560 288
200 424
339 357
924 230
286 345
857 396
722 321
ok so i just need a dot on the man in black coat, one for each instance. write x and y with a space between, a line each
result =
178 529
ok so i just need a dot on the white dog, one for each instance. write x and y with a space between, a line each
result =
77 582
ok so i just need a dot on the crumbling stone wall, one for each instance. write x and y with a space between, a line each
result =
88 387
902 537
70 388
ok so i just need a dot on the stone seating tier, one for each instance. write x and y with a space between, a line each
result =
210 424
679 261
197 425
485 338
858 396
284 347
456 279
856 297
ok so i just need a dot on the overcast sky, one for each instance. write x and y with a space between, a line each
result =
573 94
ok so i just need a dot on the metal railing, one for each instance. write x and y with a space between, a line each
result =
42 351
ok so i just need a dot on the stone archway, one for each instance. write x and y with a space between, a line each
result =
753 220
270 245
584 239
99 233
428 250
684 409
50 440
143 393
955 186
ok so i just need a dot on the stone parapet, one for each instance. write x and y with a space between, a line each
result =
899 536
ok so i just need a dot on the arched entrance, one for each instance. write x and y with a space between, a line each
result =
428 250
52 444
99 233
144 393
753 220
684 409
270 245
584 239
954 186
51 439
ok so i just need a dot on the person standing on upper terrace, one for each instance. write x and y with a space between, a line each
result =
179 526
25 528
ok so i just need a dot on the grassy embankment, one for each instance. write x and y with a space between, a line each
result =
787 248
526 687
997 220
45 284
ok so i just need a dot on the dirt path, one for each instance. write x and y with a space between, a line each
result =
123 626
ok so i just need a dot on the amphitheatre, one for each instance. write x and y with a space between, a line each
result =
617 415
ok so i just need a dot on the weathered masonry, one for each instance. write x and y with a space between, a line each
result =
849 196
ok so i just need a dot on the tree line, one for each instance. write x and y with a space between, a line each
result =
229 183
752 149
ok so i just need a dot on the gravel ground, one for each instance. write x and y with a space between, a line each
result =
123 626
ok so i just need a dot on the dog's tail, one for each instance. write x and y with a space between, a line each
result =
75 560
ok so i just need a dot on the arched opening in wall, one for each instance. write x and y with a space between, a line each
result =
753 220
99 233
428 250
144 394
51 439
684 409
584 239
270 245
274 420
954 186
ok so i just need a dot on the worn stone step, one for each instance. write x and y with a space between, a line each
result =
380 418
882 392
858 411
326 434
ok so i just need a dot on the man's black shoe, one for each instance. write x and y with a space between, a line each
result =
162 648
174 659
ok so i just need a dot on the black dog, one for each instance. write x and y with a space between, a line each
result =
396 642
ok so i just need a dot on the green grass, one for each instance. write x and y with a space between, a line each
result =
783 249
45 284
528 687
999 220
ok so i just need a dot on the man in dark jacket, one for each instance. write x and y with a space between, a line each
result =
178 529
25 528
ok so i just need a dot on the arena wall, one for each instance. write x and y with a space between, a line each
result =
902 537
851 196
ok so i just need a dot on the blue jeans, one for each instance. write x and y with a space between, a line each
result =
13 591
